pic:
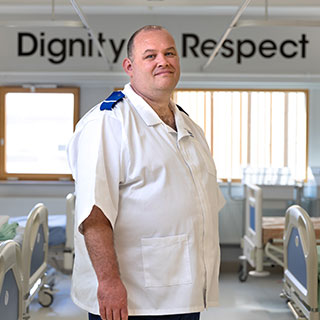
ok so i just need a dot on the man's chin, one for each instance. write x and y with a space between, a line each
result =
167 83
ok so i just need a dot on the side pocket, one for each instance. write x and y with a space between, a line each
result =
166 261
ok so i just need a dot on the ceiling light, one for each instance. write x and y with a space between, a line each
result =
38 23
277 22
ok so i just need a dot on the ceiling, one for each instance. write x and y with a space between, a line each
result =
192 3
286 3
283 7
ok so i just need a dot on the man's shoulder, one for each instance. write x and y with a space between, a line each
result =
113 99
105 108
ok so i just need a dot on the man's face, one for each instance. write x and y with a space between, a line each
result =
155 63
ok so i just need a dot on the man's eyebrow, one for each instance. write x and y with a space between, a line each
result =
149 50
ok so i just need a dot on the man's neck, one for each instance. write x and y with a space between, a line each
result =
163 110
161 105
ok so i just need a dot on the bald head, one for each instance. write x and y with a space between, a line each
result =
153 62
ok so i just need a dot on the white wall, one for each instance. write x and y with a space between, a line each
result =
95 82
17 198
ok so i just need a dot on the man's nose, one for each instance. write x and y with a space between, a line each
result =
162 60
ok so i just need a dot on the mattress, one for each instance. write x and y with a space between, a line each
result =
56 224
273 228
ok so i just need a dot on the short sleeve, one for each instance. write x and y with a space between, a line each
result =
95 154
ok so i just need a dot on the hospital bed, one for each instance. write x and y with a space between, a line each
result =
60 226
263 239
301 264
31 243
11 300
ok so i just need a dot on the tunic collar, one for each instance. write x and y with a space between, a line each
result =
151 118
145 111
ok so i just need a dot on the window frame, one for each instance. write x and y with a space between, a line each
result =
32 176
250 90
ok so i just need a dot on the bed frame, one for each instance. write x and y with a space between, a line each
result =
263 240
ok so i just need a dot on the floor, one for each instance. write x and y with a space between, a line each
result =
257 298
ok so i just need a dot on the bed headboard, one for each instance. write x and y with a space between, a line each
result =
35 245
300 256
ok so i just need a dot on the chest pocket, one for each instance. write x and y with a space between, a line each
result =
166 261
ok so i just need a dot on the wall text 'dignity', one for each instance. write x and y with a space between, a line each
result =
56 50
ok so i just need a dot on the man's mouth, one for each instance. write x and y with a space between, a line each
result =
163 72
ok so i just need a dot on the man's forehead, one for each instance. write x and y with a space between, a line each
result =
150 38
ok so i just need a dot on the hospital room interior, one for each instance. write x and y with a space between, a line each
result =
250 78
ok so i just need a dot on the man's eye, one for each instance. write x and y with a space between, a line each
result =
150 56
169 54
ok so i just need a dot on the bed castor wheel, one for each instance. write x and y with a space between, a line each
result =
243 275
45 297
243 269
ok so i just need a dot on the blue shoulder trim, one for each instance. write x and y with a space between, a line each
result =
112 100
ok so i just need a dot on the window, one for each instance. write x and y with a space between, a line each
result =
36 126
251 128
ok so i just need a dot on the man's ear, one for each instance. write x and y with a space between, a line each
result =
127 66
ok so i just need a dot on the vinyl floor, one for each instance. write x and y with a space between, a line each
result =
255 299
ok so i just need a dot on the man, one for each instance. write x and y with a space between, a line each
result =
147 197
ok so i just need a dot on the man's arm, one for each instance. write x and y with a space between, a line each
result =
112 295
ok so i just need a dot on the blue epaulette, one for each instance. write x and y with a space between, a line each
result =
112 100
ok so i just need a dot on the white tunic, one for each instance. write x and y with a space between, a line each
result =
158 188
